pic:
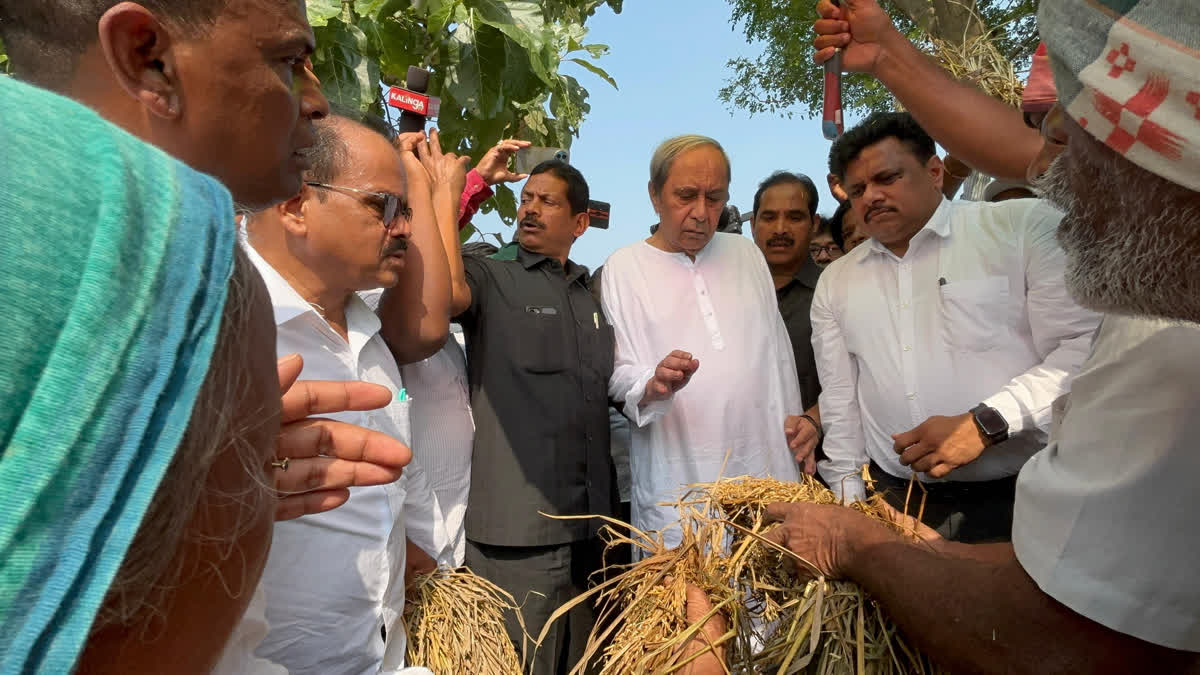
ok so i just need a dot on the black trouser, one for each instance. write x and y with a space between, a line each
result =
541 579
970 512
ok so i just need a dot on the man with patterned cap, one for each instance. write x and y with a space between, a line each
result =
1098 576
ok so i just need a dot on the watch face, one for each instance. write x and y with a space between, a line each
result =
991 422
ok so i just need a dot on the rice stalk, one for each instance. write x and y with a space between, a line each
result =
777 622
454 621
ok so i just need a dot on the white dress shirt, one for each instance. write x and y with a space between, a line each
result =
722 309
333 579
443 436
976 311
1105 519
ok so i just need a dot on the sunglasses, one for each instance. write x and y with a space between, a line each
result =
391 207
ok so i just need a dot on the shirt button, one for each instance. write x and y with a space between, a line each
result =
904 305
908 348
910 396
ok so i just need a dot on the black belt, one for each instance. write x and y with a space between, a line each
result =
952 488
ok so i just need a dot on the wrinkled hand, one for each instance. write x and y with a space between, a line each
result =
802 437
910 524
816 533
326 458
671 375
940 445
493 167
696 608
857 27
416 563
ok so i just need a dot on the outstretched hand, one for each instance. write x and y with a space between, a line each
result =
325 458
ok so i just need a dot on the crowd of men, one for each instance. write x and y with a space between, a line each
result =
1029 361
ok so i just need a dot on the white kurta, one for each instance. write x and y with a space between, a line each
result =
722 309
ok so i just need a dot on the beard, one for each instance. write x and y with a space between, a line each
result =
1132 243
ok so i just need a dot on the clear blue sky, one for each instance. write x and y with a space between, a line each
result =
668 57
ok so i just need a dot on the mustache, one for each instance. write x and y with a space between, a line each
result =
781 240
533 222
876 211
399 245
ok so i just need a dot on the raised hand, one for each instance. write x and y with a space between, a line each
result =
857 27
493 167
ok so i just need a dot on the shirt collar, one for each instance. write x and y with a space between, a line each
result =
361 323
938 224
287 303
808 274
529 260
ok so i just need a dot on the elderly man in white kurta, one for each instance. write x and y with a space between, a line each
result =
709 295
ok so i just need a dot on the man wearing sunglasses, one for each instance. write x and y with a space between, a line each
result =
363 219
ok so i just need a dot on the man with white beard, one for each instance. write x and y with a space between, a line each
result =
1097 578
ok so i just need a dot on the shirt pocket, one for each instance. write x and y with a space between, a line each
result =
542 342
974 313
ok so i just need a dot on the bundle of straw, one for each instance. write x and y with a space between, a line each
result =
978 61
455 624
777 621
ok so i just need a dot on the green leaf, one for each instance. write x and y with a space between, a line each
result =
321 11
597 70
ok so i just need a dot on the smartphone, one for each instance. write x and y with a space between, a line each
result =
527 158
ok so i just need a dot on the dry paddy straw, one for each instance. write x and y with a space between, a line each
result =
455 624
777 622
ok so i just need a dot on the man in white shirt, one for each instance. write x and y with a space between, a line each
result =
1099 575
335 582
944 340
710 294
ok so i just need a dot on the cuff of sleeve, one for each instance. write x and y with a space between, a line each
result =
643 416
475 193
849 488
1007 406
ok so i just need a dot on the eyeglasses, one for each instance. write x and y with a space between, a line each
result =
828 249
391 207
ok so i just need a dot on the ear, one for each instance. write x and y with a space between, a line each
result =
937 171
138 50
582 221
293 213
653 197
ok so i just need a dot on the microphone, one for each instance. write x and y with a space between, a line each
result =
831 113
414 105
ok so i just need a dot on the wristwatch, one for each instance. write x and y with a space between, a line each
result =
991 424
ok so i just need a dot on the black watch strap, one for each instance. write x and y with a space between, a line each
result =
991 423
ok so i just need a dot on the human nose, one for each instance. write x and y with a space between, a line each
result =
313 104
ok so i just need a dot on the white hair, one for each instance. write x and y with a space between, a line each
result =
669 150
1132 243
